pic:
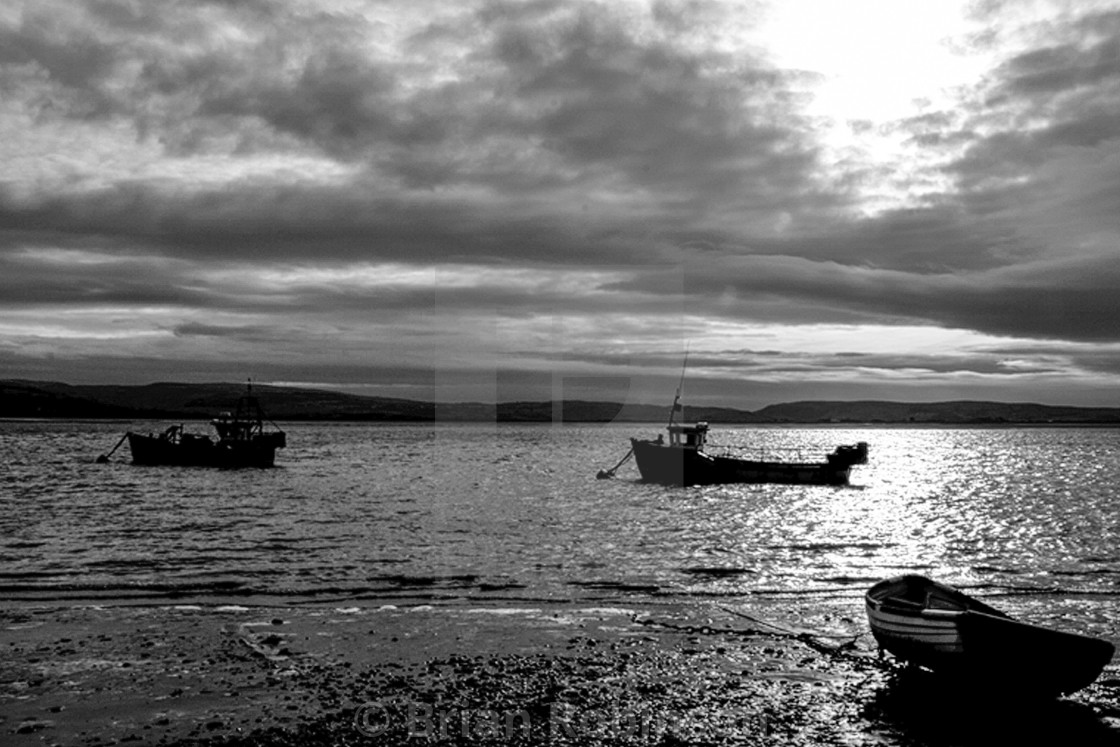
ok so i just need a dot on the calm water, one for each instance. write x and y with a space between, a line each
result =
515 510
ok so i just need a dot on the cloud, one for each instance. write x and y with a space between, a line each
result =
1047 119
577 174
524 106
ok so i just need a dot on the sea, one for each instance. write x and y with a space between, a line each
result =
1028 518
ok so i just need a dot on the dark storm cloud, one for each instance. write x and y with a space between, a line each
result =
575 81
280 223
256 333
1071 298
600 97
1047 109
1042 175
29 279
748 362
552 107
1084 56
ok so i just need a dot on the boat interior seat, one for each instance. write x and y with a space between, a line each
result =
916 592
940 602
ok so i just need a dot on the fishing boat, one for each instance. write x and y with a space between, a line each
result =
937 627
684 461
243 441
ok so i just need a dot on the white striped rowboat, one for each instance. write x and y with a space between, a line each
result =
935 626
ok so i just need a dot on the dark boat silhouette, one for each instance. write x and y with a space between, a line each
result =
242 441
685 461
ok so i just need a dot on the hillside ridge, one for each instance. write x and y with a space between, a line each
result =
173 400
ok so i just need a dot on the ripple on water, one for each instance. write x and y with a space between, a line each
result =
352 507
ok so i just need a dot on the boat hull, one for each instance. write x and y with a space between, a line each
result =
962 638
199 451
925 640
671 465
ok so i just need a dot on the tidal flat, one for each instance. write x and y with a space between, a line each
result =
471 673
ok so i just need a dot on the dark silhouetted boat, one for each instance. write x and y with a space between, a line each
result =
684 461
937 627
242 441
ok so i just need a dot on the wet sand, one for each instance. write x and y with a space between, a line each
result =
454 672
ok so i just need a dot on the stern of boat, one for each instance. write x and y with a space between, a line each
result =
849 455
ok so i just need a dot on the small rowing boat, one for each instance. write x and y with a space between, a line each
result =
935 626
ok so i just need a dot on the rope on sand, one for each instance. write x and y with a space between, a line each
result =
809 638
812 639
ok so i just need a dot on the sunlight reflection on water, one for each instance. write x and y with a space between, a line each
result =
358 508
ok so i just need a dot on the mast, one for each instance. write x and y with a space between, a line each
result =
677 400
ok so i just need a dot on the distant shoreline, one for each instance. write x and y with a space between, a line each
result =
33 400
926 425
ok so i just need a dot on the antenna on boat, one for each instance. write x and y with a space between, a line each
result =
606 474
677 400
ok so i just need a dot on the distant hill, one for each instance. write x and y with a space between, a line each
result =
172 400
37 399
962 412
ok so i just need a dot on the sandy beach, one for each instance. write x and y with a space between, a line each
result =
504 672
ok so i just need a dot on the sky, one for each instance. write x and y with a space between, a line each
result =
497 200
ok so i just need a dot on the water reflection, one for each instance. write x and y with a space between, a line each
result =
1019 509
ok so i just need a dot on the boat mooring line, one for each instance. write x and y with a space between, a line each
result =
605 474
842 650
105 457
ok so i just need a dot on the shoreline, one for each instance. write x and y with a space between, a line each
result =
202 420
171 401
467 671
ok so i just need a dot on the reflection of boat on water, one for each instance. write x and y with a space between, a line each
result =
242 441
937 627
684 461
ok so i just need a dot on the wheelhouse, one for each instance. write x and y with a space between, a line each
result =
688 436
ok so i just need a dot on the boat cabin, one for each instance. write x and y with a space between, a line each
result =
688 436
